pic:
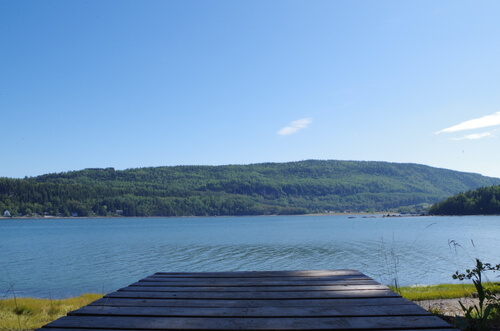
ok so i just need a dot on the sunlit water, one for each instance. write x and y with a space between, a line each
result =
56 258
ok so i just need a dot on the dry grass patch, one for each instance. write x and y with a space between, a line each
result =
30 313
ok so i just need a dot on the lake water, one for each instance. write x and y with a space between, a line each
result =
57 258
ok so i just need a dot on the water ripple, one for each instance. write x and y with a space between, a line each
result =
59 258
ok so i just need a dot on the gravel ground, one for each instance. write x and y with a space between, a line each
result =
449 307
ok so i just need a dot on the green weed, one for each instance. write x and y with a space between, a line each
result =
476 316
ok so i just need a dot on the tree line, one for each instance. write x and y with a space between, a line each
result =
482 201
257 189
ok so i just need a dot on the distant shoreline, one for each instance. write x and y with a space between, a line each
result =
354 215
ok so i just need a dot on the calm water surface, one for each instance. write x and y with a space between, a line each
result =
59 258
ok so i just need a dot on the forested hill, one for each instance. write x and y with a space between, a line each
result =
255 189
482 201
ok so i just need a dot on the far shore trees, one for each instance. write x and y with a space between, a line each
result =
482 201
312 186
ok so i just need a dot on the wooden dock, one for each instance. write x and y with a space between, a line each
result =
274 300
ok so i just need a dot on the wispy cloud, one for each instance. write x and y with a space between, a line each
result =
295 126
476 136
477 123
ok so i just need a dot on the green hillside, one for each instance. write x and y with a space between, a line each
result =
255 189
482 201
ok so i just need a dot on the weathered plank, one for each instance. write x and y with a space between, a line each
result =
252 274
254 295
252 282
289 300
254 288
374 310
252 323
127 302
254 279
129 329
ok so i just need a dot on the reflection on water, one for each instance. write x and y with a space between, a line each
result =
59 258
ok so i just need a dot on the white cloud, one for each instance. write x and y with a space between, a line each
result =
477 136
477 123
295 126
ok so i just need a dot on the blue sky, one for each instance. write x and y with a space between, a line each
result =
130 84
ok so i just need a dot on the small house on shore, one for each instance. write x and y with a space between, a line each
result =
6 213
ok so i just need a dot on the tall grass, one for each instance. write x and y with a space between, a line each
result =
30 313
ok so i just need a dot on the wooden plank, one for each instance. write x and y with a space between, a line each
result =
252 274
265 300
127 302
254 295
252 279
128 329
254 288
252 282
374 310
251 323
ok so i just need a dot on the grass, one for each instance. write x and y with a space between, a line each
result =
442 291
30 313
